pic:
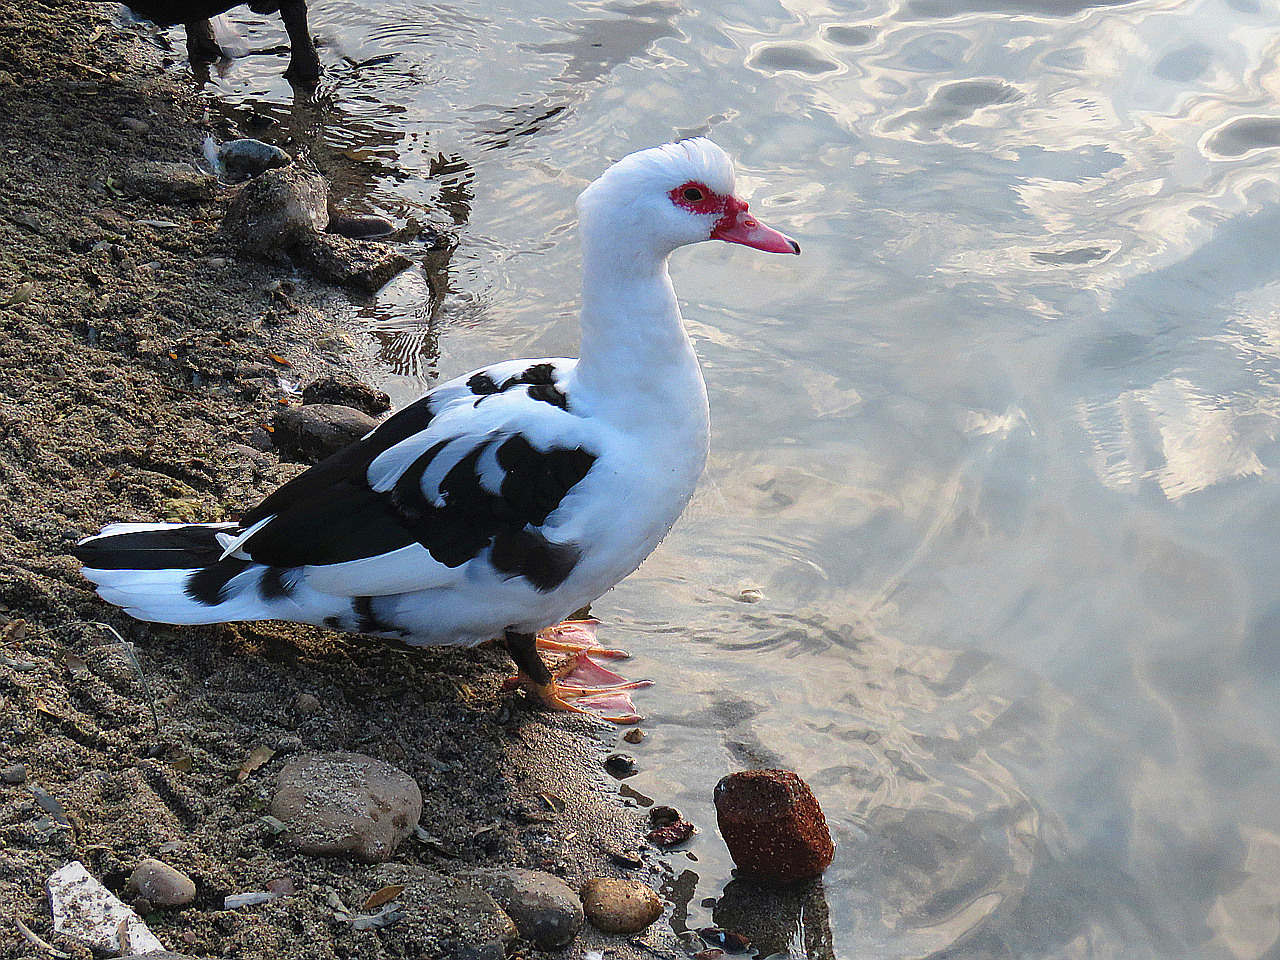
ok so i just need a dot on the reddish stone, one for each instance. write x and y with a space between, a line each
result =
773 826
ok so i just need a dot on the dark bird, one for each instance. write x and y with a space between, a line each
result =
202 48
503 500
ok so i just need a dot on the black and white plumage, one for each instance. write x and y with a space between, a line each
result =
503 500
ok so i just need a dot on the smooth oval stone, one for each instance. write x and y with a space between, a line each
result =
619 906
542 907
163 885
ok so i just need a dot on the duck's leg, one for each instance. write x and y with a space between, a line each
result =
576 636
537 677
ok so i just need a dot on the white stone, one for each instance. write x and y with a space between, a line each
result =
89 913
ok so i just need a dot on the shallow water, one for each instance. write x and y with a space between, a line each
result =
999 450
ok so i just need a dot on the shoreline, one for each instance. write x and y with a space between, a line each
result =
137 362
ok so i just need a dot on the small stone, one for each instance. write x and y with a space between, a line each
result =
751 595
161 884
364 265
306 704
136 125
360 226
542 907
634 735
347 391
276 211
289 745
621 766
619 906
248 158
671 834
170 182
662 816
87 912
346 803
15 773
309 433
773 826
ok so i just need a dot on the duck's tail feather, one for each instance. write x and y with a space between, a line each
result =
176 573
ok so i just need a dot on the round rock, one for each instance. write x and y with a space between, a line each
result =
542 907
346 803
313 431
247 158
347 391
276 211
161 884
619 906
773 826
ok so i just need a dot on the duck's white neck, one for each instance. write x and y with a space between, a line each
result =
636 362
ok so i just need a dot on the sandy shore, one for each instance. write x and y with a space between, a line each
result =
137 360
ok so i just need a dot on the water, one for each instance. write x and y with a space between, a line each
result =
999 450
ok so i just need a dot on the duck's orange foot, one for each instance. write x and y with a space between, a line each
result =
578 683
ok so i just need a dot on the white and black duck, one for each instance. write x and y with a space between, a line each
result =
503 500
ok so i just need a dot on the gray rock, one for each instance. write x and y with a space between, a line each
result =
346 803
444 916
619 906
543 908
246 159
360 226
15 773
348 391
276 211
158 955
313 431
364 265
170 182
161 884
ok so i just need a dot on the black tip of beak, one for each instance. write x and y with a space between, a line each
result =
795 247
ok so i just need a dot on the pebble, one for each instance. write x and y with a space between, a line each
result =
313 431
346 390
542 907
15 773
306 704
773 826
346 803
161 884
248 158
619 906
364 265
634 735
276 211
663 816
360 226
621 765
671 834
136 125
170 182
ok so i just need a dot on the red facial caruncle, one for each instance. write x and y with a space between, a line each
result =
733 223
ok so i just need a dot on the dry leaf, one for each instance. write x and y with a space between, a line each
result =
259 755
13 631
385 895
280 360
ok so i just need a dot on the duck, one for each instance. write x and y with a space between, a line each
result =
203 48
503 500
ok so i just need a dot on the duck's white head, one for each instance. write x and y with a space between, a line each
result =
665 197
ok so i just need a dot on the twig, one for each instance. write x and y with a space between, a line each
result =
137 668
36 940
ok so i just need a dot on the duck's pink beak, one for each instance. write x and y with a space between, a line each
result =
739 226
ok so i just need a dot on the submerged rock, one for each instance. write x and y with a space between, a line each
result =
542 907
364 265
360 226
619 906
773 826
346 803
313 431
276 211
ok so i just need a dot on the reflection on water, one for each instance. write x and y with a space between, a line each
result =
985 549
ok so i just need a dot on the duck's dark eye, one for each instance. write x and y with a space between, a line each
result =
693 194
